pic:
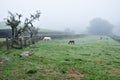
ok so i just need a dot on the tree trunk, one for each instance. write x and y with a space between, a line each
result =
12 33
7 43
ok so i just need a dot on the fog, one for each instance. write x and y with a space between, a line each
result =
64 14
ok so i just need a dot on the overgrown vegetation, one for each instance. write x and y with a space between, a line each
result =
91 58
21 28
18 27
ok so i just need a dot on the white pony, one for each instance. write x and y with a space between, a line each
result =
46 38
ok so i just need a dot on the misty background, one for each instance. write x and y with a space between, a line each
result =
74 15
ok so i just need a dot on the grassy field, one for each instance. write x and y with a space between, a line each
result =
2 39
88 59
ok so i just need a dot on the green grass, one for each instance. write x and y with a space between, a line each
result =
2 39
94 58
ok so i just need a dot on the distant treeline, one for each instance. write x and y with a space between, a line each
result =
54 35
117 38
58 35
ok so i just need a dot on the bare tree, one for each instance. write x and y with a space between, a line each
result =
13 21
28 23
18 27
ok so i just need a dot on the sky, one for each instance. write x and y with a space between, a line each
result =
63 14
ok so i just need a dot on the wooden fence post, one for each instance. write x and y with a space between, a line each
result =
7 43
25 43
21 44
